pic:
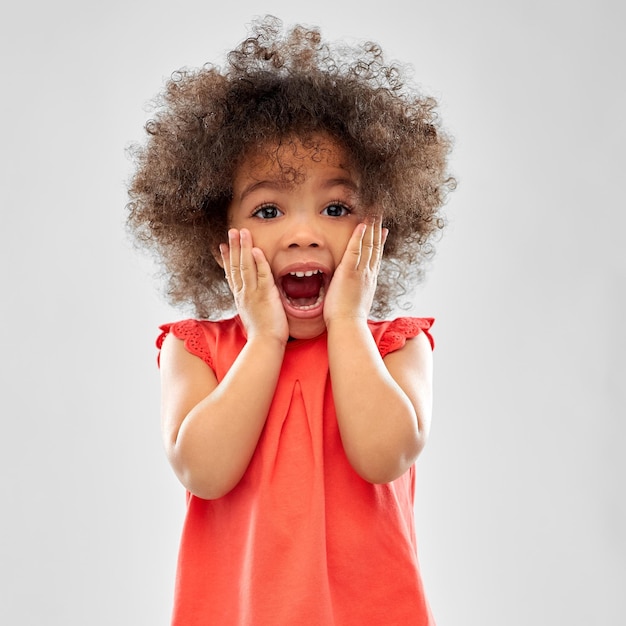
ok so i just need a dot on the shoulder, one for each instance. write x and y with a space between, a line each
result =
198 337
406 346
393 335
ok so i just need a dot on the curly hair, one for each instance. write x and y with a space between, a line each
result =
277 87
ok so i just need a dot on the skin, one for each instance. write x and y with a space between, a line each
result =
383 406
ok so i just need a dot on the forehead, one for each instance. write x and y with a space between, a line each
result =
288 161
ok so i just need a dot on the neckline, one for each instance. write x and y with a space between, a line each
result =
291 342
294 342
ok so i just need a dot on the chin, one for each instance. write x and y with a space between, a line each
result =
306 328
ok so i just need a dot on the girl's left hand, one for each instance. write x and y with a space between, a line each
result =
351 290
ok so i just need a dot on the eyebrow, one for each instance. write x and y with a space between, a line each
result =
273 183
277 183
341 181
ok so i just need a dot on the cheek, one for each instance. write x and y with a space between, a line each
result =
345 237
265 242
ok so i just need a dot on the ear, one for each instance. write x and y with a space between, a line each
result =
218 257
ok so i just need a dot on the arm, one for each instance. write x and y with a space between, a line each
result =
383 406
211 430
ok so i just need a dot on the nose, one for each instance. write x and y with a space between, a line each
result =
303 234
312 244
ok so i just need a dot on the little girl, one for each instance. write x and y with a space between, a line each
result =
294 425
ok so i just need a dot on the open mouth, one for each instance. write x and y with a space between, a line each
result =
304 290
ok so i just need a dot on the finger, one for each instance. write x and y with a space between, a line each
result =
234 257
368 244
265 278
247 265
225 256
352 255
379 235
384 241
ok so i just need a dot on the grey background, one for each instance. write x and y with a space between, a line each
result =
521 510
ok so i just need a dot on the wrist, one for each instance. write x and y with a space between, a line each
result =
265 330
266 340
346 323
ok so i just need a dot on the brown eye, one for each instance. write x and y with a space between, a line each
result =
267 212
336 210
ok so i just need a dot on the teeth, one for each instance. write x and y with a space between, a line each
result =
303 274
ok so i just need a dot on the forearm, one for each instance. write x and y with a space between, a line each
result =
379 425
218 436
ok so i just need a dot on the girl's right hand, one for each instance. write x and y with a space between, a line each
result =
252 284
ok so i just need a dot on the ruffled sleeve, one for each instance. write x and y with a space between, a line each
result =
391 336
191 332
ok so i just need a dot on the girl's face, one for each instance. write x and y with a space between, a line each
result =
300 205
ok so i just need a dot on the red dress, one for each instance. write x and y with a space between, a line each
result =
302 539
